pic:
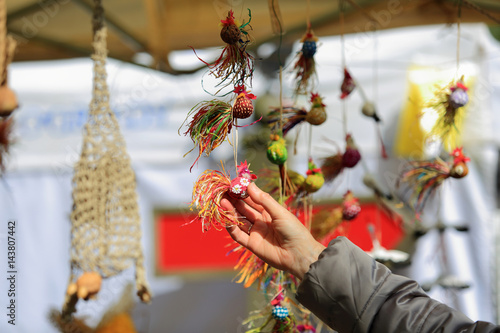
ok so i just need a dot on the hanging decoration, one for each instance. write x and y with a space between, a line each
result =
209 190
424 177
8 99
350 206
315 179
348 84
106 228
235 65
448 102
212 121
293 116
117 318
305 66
276 314
332 166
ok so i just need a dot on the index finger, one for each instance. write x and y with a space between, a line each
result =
265 200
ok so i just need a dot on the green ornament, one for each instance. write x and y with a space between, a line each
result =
277 152
314 182
315 179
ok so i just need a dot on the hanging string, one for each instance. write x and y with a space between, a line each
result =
308 14
276 17
281 181
235 143
343 62
458 33
375 66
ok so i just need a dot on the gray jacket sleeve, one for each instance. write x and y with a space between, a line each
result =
351 292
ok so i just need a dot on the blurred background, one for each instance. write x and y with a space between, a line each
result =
155 78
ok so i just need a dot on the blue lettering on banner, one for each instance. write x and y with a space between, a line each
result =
34 121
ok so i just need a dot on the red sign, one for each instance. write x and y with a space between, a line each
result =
182 246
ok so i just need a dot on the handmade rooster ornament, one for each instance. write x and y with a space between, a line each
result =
314 179
293 116
424 177
305 65
235 64
213 120
209 190
332 166
448 104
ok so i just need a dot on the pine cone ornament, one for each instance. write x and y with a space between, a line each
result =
243 107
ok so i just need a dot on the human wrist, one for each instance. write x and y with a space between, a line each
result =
306 258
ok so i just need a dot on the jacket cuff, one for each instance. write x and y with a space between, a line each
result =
339 286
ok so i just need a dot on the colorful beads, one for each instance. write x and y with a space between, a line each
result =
280 312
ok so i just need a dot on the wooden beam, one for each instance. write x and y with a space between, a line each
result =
134 43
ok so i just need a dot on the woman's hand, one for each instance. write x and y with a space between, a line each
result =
273 233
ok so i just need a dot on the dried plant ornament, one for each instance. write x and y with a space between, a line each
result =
448 102
209 190
293 116
212 121
332 166
305 65
235 64
106 227
424 177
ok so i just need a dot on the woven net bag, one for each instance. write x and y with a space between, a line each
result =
106 227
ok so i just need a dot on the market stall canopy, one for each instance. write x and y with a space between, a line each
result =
59 29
